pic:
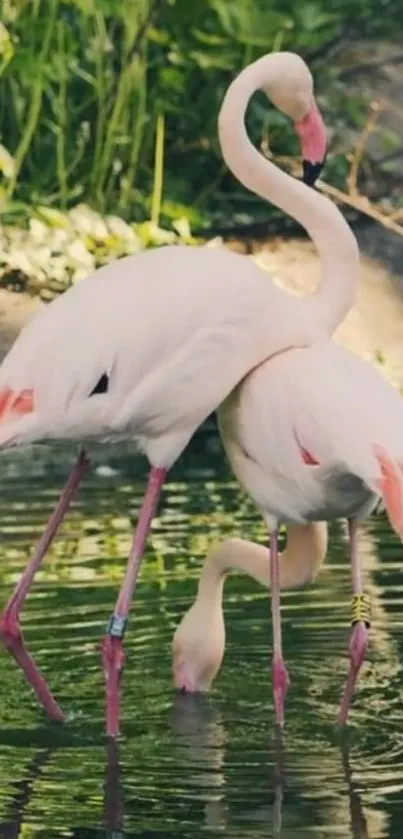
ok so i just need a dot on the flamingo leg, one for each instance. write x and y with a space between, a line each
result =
113 655
280 675
10 630
359 635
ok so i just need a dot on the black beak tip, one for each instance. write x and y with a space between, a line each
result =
311 171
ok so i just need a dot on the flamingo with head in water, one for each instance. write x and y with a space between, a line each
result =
148 346
316 434
199 642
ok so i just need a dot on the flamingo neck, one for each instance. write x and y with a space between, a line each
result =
232 555
299 563
320 313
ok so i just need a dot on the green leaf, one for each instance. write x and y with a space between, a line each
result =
173 79
53 217
158 36
311 16
7 163
248 23
211 40
210 61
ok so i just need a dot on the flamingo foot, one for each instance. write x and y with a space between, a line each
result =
13 639
358 648
113 659
281 683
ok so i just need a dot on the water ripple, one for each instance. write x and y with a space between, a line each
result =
190 766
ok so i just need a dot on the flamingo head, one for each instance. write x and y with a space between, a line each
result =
198 647
291 91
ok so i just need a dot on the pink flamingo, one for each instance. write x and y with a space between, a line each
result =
147 347
199 642
315 434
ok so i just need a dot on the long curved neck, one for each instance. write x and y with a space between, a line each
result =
299 563
335 242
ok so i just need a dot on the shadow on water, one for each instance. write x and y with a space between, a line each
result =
187 767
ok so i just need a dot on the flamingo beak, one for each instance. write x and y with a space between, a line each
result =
313 137
311 171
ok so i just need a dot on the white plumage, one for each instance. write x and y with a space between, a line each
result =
174 330
327 401
315 434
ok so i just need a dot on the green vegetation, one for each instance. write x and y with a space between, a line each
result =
112 104
54 249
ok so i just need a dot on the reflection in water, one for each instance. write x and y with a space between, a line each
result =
191 765
201 739
278 783
358 820
12 825
113 799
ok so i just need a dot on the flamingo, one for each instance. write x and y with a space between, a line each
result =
148 346
198 644
315 434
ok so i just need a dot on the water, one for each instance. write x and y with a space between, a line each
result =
190 768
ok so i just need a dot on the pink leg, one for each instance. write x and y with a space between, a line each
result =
280 675
112 649
10 630
359 635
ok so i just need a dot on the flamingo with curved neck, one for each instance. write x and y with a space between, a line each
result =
199 641
149 345
323 311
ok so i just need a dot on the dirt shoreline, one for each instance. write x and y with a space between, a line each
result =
373 328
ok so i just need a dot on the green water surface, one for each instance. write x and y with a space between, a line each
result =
190 767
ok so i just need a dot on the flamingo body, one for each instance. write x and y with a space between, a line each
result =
328 402
315 434
172 330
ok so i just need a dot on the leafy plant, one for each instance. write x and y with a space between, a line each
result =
87 87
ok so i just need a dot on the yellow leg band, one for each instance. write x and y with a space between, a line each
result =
361 610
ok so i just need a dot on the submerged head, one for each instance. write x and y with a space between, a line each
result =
198 647
290 87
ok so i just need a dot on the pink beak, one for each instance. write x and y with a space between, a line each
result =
312 133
